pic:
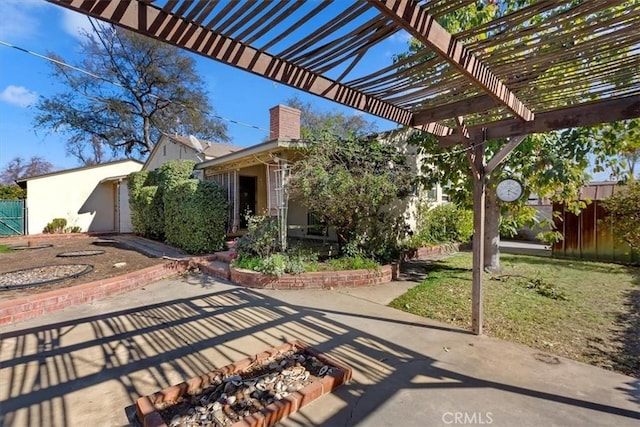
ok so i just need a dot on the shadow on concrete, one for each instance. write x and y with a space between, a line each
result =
146 348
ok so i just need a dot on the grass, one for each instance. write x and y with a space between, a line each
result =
582 310
5 249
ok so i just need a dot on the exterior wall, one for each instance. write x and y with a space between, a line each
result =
169 150
78 196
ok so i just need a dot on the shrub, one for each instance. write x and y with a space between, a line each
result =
146 196
145 199
261 238
623 208
56 226
59 225
274 265
147 213
195 216
443 224
11 192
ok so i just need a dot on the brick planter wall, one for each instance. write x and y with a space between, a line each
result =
428 251
30 306
316 280
147 407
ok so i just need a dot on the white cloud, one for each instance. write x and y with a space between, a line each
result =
18 95
18 20
76 24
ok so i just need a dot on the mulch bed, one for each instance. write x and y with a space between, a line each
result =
103 265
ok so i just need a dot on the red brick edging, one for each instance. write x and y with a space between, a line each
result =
147 406
316 280
18 309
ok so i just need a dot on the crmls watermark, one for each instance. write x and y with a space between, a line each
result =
467 418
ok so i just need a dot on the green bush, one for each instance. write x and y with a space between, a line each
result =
174 172
147 213
261 238
11 192
195 216
59 225
443 224
146 196
277 264
145 199
56 226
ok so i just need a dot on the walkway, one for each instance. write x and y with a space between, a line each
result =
85 364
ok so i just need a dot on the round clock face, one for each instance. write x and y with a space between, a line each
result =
509 190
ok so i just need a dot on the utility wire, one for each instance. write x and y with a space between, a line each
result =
83 71
89 73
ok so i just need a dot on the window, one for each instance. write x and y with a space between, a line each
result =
316 226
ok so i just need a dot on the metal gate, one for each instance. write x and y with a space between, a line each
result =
11 217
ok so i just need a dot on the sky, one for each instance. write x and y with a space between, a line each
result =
40 27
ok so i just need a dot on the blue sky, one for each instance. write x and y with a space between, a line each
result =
40 27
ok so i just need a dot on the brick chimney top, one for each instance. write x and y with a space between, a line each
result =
284 123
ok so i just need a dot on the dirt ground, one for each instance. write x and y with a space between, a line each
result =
103 264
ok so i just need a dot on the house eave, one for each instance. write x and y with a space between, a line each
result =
254 150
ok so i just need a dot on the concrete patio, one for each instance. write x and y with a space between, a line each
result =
84 365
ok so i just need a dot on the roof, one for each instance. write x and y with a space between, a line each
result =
81 168
599 190
254 150
211 149
548 64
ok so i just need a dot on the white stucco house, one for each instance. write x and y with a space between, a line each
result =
253 178
94 198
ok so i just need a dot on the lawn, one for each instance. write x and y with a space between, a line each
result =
5 249
586 311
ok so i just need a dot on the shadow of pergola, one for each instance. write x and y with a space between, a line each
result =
153 346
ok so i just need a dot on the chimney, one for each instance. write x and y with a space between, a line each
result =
284 123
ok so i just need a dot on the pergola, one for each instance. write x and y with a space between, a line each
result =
550 65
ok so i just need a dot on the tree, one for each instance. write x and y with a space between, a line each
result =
624 209
346 183
138 89
622 143
18 168
316 124
11 192
552 165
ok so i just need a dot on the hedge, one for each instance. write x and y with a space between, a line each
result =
197 212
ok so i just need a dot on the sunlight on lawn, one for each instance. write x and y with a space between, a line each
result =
586 311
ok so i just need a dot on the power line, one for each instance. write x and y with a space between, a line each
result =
237 122
89 73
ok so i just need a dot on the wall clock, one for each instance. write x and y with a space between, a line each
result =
509 190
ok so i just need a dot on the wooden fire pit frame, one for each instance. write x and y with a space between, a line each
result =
147 407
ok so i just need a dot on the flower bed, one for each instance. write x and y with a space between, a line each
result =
257 391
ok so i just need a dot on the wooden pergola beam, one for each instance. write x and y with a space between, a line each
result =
413 18
152 21
471 105
503 153
590 114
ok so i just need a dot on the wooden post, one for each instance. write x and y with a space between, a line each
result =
478 238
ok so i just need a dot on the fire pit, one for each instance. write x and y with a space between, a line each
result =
259 391
73 254
44 275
